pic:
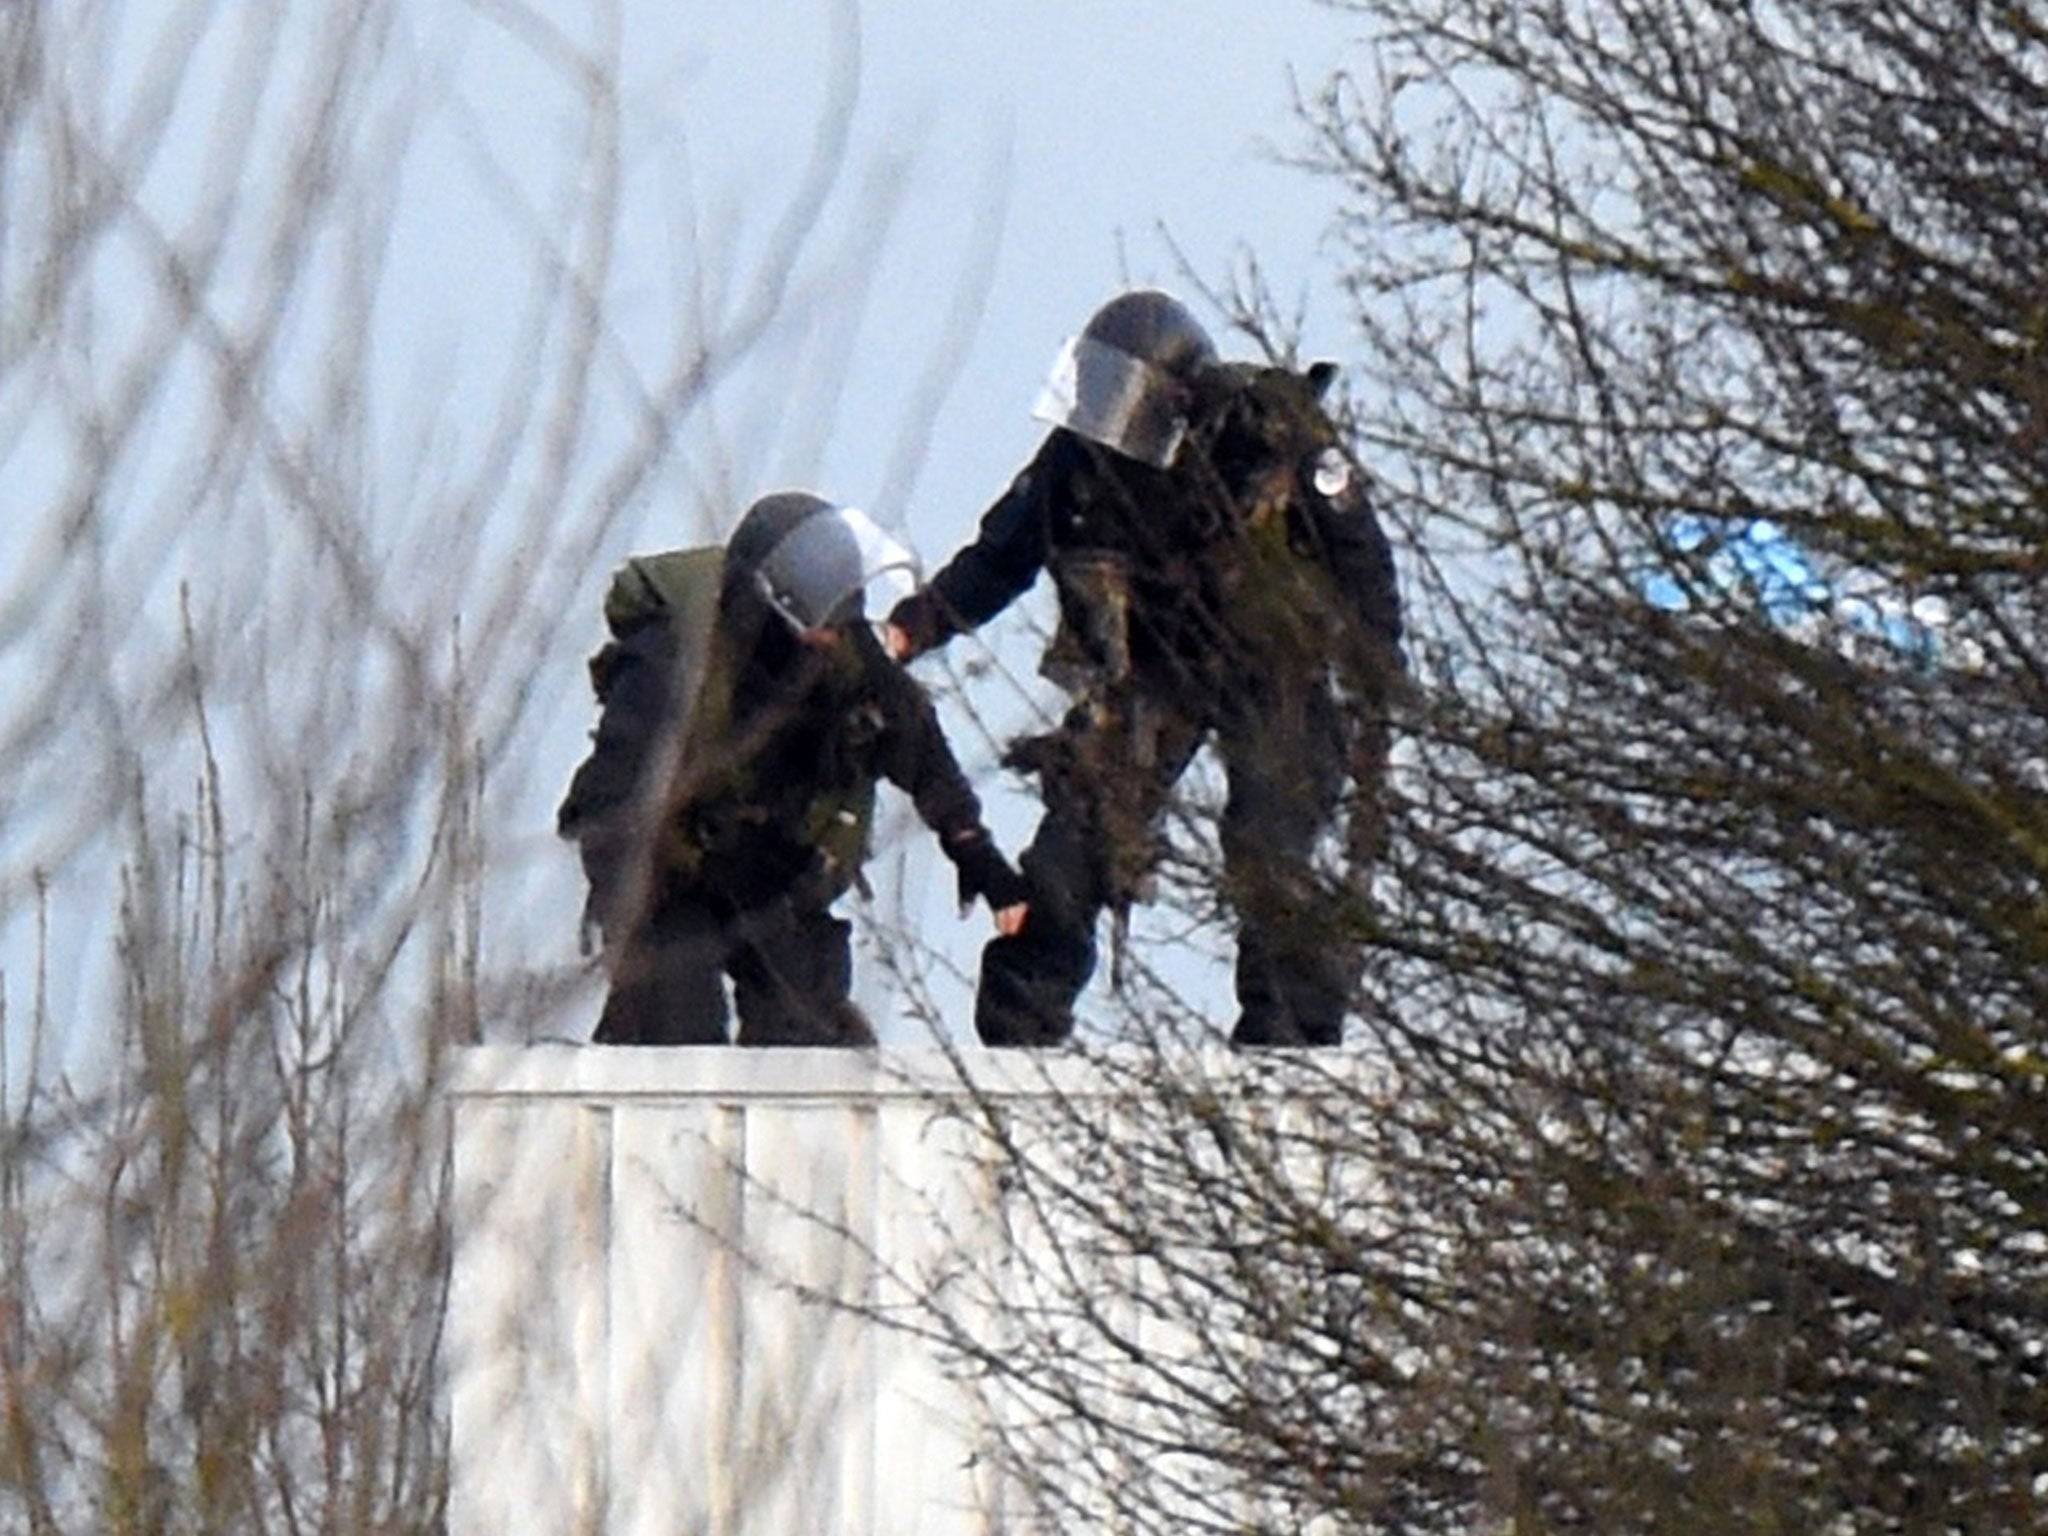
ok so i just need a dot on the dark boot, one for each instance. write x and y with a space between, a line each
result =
1029 984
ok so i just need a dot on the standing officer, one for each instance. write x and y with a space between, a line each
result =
1219 573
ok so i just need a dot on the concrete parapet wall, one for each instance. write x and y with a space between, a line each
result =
673 1275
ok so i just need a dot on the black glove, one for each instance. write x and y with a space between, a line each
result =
918 617
985 873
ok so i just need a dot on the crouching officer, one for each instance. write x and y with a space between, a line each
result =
747 711
1220 574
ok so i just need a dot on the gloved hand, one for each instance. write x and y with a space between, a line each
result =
985 873
912 627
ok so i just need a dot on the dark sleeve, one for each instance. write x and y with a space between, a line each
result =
634 678
917 759
1356 549
1006 556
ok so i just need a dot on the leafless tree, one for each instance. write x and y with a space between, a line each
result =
1691 1170
317 415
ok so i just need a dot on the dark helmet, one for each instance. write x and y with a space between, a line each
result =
767 523
1127 380
1155 328
812 561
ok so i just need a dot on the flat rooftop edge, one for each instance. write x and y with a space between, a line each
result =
614 1072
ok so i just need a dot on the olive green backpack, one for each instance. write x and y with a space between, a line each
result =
683 583
681 587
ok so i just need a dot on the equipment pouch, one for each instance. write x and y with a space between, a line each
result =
1092 646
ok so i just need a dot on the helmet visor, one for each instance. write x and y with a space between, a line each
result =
1122 402
822 570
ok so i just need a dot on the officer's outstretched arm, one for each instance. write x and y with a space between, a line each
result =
917 759
987 575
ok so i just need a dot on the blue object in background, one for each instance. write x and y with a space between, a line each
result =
1756 559
1753 558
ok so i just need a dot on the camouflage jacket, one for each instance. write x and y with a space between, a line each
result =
1256 554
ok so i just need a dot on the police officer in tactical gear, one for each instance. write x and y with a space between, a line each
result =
727 797
1220 575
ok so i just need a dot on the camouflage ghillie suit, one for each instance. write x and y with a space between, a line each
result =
1242 592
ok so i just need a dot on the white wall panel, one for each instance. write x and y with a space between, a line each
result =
668 1270
687 1282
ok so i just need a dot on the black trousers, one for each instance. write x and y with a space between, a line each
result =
790 960
1106 775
